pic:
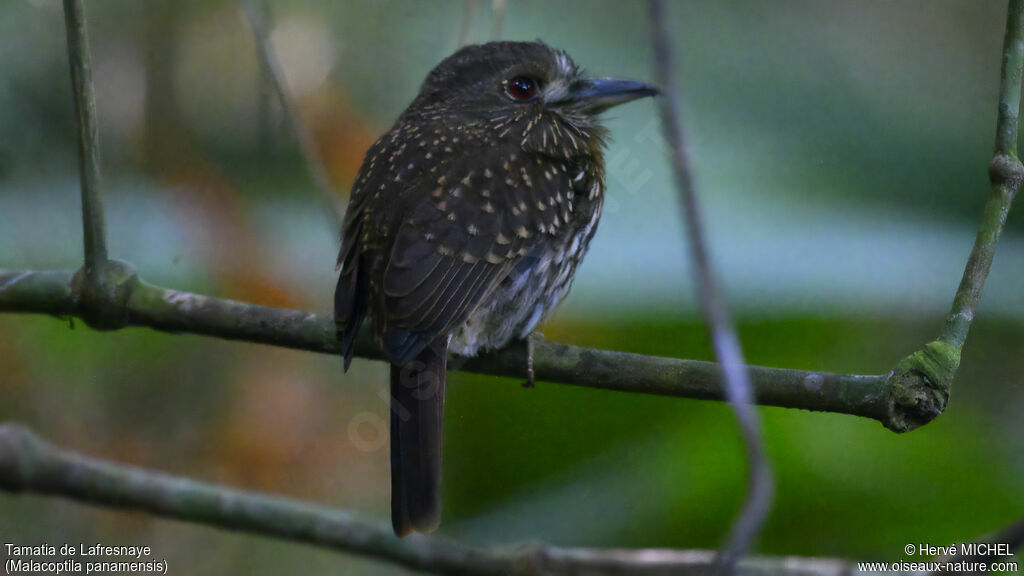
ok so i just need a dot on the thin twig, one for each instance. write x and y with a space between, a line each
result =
1012 535
926 376
1005 174
272 67
29 464
760 483
469 8
498 10
143 304
983 550
95 241
266 103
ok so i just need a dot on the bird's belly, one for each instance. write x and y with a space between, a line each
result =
512 311
527 295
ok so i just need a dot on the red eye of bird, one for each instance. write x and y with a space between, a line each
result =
521 88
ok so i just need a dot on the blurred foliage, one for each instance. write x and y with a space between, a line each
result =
841 152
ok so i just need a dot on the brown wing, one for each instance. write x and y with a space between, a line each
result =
352 291
473 220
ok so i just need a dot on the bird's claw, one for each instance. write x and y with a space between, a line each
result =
531 341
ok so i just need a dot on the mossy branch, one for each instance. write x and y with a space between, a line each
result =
29 464
134 302
923 379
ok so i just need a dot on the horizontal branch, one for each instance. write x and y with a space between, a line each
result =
134 302
29 464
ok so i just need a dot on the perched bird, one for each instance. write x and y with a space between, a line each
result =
464 229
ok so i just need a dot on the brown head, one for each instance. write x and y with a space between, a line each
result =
528 93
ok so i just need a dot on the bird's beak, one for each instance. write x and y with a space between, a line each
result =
595 95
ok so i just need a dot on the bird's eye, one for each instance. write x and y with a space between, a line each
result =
521 88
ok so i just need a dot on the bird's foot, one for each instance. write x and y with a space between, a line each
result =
531 341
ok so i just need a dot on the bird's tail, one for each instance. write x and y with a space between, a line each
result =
417 410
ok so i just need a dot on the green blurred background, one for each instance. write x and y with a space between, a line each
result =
840 150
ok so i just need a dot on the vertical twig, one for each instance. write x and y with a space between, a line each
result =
266 99
498 8
272 67
1010 80
922 381
760 484
469 8
95 242
1005 174
1012 537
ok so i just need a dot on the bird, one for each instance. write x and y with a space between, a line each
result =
463 231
